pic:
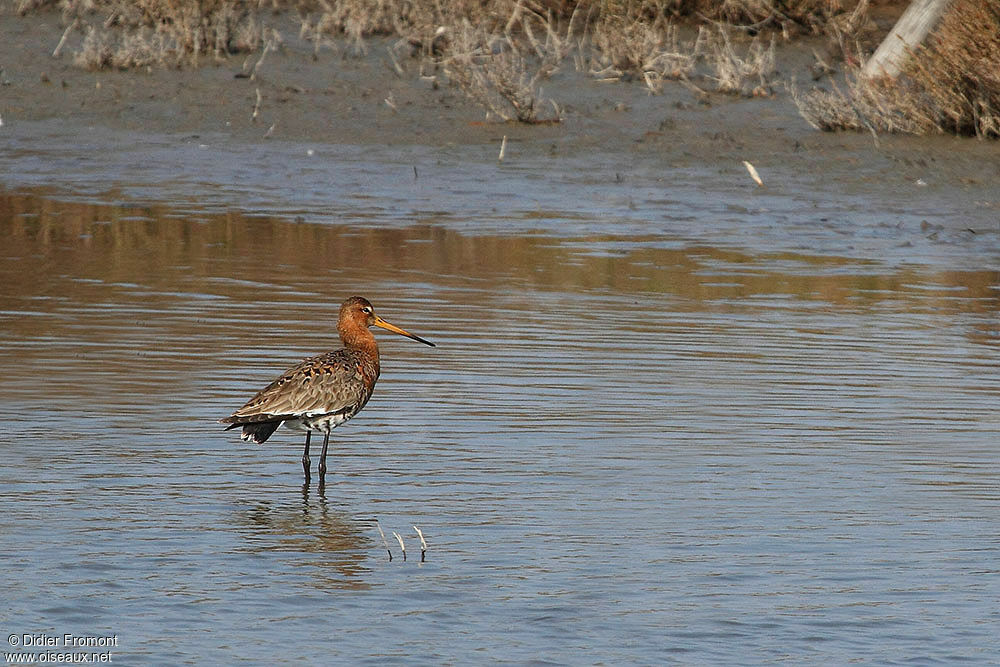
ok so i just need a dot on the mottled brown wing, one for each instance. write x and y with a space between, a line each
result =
328 383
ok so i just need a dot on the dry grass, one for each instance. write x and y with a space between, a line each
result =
188 28
748 73
500 52
713 58
652 52
949 85
140 33
861 105
491 70
751 16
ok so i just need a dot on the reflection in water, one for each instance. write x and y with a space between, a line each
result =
238 255
630 448
331 545
137 301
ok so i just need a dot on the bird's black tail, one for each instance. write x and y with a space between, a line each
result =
258 432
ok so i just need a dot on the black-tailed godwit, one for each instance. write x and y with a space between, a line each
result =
324 391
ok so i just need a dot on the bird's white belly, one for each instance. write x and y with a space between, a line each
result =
321 423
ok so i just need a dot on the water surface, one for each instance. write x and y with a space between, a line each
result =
640 439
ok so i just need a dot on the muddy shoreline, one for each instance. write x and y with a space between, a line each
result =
342 97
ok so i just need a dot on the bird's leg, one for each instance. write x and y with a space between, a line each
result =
322 460
305 457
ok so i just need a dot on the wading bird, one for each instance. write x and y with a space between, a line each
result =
324 391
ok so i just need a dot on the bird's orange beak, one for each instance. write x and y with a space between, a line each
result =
382 324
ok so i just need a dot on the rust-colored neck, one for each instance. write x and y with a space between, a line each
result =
358 337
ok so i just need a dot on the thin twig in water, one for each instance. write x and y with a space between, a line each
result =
385 542
423 543
753 174
402 546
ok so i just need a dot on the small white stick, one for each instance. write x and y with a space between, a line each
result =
401 545
423 543
62 41
753 174
385 542
395 63
268 46
559 114
256 107
503 149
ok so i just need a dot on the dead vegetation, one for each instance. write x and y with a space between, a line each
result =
500 53
748 73
755 15
492 71
123 34
949 85
653 52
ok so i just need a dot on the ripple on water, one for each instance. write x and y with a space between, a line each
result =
620 451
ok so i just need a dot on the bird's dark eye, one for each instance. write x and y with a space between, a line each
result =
366 310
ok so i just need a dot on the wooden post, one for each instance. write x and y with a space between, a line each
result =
909 32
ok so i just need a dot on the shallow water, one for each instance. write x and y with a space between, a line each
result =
667 435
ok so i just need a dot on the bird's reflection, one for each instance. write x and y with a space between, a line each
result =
324 537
